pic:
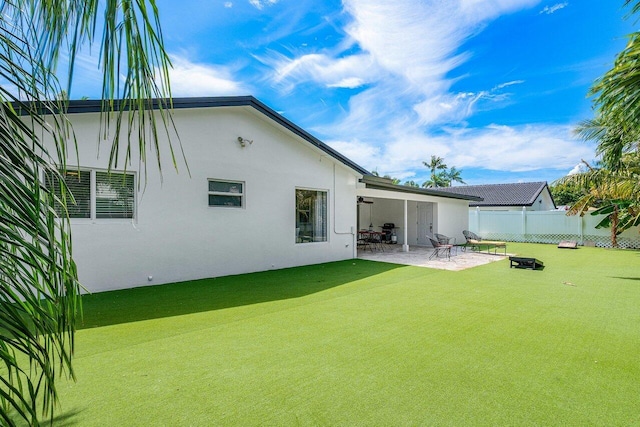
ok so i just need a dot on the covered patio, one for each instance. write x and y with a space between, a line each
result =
416 213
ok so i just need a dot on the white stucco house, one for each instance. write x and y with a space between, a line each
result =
260 193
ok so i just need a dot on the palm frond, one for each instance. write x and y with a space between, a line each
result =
39 288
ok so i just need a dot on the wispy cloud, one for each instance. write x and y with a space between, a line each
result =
548 10
260 4
350 72
406 50
193 79
507 84
406 53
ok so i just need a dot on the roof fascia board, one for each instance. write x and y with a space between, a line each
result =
379 183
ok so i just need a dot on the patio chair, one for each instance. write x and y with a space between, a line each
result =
475 242
444 239
439 249
363 241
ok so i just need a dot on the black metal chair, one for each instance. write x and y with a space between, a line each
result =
440 250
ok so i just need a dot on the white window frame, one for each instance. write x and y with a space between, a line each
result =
240 194
93 195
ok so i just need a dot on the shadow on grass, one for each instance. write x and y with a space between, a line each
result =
65 419
153 302
625 278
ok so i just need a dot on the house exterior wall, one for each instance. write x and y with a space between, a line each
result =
176 236
453 218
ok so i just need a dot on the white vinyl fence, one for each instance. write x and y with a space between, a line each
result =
546 227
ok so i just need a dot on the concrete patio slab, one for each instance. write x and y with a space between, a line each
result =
418 256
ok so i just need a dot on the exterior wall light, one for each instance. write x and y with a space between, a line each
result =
244 141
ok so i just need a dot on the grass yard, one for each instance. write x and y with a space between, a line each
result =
365 343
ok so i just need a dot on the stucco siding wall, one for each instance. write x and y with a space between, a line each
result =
453 218
176 236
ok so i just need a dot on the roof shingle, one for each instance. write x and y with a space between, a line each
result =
516 194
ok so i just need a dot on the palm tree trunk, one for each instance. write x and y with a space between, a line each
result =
614 227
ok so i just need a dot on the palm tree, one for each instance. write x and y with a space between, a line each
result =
441 175
436 167
613 193
39 289
617 98
454 175
614 188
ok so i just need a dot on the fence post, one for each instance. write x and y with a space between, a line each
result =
476 220
524 224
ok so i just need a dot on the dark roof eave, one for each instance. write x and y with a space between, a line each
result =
499 204
380 184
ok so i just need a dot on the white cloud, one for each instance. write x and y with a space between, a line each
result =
548 10
260 4
579 168
192 79
350 72
448 107
495 147
522 148
507 84
349 82
404 49
228 4
405 54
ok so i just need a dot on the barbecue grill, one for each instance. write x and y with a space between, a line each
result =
388 232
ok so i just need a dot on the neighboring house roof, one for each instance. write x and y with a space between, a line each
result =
380 183
95 106
516 194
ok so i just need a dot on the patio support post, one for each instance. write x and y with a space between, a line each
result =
405 244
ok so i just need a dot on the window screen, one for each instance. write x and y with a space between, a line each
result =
115 195
77 192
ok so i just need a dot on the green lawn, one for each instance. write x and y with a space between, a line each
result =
365 343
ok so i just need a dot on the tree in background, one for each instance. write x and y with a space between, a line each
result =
613 188
608 192
394 181
39 289
617 102
441 175
565 194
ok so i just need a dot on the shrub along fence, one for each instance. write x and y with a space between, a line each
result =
547 227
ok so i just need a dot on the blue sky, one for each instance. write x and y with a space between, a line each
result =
495 87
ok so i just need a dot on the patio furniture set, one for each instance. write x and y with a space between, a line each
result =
443 246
